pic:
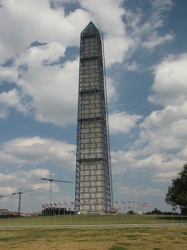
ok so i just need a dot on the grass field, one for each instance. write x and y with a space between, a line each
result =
170 235
163 238
91 220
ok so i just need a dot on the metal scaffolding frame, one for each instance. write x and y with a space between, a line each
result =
93 184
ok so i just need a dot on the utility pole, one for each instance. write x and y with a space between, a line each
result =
53 180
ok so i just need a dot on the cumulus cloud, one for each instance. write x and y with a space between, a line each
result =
161 145
50 91
122 122
117 42
36 150
47 25
44 74
38 77
16 100
169 84
164 130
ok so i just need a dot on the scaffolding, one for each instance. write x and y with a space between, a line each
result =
93 188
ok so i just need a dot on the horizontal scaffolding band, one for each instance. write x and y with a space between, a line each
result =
90 160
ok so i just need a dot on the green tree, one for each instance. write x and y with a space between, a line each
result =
177 192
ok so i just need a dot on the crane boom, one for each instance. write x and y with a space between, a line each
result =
53 180
46 179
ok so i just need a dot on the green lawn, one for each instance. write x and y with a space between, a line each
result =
91 220
130 238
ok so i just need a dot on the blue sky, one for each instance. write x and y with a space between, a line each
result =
146 62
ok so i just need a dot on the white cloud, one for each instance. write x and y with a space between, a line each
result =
161 147
52 88
122 122
116 49
165 176
145 31
165 129
36 150
122 161
134 66
47 90
111 91
3 113
30 180
159 9
48 25
117 42
155 40
170 81
14 99
8 74
139 191
110 24
163 133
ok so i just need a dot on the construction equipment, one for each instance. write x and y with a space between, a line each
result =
19 200
53 180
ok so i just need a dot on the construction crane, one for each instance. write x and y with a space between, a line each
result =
1 196
19 200
53 180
